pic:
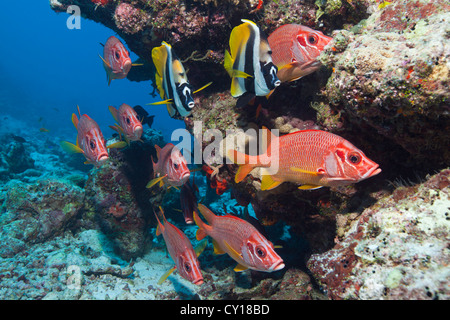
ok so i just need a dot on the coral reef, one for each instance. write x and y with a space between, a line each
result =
395 249
84 266
118 199
391 75
383 86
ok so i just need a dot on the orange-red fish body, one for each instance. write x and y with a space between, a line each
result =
181 251
90 139
172 165
313 158
128 121
240 239
295 49
116 59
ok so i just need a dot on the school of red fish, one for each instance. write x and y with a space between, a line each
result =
257 65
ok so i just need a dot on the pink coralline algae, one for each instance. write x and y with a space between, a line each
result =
391 74
130 19
396 249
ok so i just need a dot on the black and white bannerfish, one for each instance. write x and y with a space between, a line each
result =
249 62
172 83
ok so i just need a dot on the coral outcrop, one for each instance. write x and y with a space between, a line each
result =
118 198
396 249
391 76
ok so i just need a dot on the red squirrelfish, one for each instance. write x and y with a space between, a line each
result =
295 49
171 167
240 239
313 158
128 123
181 251
116 59
90 141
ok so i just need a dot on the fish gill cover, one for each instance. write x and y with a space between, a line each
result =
370 114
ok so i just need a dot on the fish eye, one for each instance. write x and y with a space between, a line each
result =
354 158
92 144
117 55
260 251
187 267
175 165
312 39
128 120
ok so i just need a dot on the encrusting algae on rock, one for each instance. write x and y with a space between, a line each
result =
396 249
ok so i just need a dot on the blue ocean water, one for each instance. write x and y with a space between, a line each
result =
46 70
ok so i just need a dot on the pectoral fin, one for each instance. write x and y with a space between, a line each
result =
305 171
236 256
233 253
217 249
118 145
166 275
309 187
155 181
105 62
200 247
70 147
268 183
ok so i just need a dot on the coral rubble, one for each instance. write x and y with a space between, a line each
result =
34 213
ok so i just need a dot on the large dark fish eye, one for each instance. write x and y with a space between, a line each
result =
128 120
117 55
175 165
354 158
312 39
260 251
187 267
92 144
